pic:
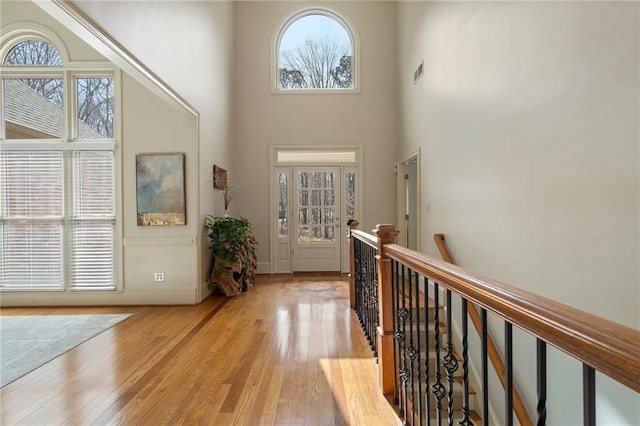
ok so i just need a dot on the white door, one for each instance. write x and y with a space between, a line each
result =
316 207
411 204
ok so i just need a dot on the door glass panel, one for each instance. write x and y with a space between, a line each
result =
303 198
315 217
283 227
303 180
303 234
303 216
317 180
316 207
351 196
328 216
328 180
315 197
329 197
329 234
316 234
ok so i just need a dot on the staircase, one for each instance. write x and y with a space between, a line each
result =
416 398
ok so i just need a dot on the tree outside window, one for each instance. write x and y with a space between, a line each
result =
315 52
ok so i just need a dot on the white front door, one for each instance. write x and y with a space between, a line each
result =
316 222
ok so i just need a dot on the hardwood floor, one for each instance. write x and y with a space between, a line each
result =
288 352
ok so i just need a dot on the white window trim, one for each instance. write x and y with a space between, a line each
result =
333 13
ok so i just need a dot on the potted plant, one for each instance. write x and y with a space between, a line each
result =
233 253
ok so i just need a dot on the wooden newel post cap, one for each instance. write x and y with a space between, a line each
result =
352 224
386 233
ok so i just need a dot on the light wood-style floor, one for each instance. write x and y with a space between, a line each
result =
288 352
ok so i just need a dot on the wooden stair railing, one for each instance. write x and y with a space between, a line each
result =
606 346
599 344
494 356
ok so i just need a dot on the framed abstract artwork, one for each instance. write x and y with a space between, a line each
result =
160 189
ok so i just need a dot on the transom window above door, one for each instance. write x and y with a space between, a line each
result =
315 52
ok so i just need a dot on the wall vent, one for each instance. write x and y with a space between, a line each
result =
418 72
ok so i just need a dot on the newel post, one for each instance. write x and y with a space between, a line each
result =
353 224
386 235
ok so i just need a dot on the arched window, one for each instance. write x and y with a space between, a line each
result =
57 167
316 50
33 52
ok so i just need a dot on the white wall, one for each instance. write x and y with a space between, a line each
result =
189 46
151 124
369 118
527 120
527 117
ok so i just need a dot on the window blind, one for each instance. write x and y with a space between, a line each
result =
92 241
36 226
32 220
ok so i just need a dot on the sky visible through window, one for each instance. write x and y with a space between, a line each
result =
314 27
315 52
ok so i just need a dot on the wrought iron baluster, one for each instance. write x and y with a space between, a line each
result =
370 308
589 395
411 353
403 314
427 339
375 303
357 253
508 343
541 367
450 361
418 379
395 307
369 298
485 370
365 287
437 387
373 297
465 364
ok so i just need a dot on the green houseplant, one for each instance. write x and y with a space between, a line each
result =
233 253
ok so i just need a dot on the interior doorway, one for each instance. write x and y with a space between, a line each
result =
409 201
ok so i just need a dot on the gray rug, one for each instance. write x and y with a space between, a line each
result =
27 342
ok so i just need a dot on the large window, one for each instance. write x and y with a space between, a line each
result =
315 51
57 171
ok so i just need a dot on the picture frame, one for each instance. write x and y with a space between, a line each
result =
219 177
160 189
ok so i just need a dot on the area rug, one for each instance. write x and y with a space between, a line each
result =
27 342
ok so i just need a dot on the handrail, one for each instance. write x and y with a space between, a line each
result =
442 248
498 365
606 346
365 237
